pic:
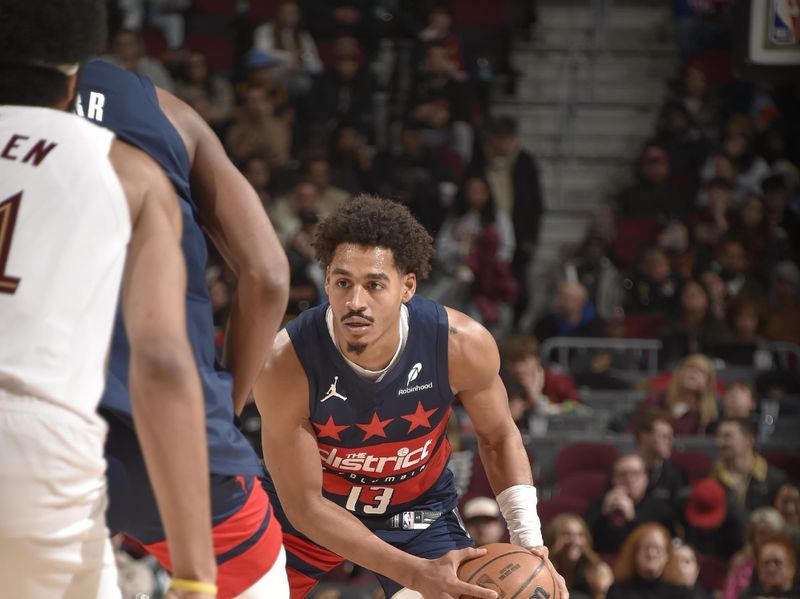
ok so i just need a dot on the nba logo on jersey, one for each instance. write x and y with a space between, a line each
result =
408 520
784 22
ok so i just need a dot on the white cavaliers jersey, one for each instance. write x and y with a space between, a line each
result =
64 231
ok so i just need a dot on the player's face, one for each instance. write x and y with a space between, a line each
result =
365 290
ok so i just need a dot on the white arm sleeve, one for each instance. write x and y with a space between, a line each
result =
518 506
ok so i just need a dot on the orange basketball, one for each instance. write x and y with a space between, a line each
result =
511 571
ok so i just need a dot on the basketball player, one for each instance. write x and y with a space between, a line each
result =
389 366
73 200
211 193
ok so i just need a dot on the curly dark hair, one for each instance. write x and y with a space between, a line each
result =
34 35
373 221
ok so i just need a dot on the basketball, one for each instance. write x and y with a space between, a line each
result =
511 571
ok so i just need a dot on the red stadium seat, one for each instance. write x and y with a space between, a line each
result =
588 486
225 8
550 508
713 570
580 457
787 462
632 234
219 49
644 326
696 464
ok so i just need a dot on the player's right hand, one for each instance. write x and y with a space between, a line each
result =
438 579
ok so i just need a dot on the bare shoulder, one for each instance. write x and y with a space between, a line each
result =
282 368
184 118
139 174
473 358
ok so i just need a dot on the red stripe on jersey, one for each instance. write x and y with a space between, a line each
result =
237 574
311 553
300 585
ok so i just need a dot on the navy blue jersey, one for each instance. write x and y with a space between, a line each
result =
383 445
127 104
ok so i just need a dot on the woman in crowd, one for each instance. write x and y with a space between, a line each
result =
571 552
694 328
690 397
640 571
776 571
764 522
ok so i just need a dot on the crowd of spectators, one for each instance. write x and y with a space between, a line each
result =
317 102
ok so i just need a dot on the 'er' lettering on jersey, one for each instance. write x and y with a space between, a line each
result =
94 109
382 445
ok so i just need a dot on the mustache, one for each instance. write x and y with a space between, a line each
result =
360 315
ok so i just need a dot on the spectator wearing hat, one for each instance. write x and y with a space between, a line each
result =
263 69
654 440
653 196
626 505
740 469
483 521
712 520
763 523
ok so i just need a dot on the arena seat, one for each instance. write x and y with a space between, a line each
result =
695 464
550 508
787 462
713 570
582 457
589 486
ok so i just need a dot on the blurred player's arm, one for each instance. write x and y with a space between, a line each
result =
235 220
166 396
473 369
292 457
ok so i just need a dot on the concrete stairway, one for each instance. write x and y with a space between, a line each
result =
592 81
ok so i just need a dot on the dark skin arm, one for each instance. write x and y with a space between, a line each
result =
290 449
166 396
473 367
234 219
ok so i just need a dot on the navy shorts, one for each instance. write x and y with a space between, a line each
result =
307 562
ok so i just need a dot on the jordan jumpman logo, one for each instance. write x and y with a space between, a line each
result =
332 391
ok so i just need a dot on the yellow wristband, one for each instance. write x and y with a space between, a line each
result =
195 586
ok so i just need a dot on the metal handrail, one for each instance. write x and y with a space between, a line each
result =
564 345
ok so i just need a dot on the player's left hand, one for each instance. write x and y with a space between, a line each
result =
544 553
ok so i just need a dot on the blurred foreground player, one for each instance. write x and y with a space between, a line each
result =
215 196
365 386
73 200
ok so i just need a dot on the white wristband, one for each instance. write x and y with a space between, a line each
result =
518 506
